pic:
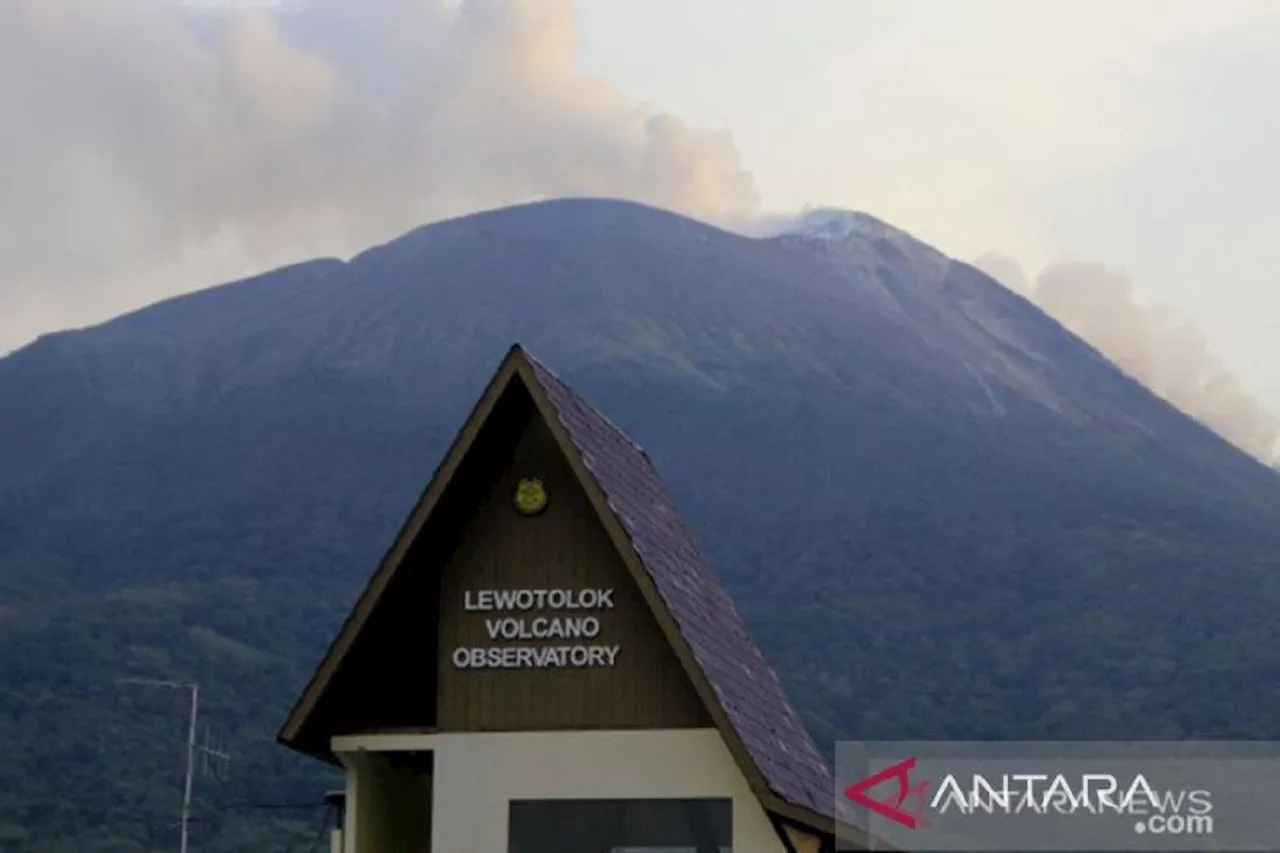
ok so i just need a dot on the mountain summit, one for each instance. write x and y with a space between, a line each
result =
941 513
837 225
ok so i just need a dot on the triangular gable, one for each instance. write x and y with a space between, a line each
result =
593 657
698 620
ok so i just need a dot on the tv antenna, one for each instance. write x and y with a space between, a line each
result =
205 750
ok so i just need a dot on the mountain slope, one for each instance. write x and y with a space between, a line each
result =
942 514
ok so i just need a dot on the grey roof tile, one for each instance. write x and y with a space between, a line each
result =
747 688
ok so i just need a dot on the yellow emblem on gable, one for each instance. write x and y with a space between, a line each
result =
531 496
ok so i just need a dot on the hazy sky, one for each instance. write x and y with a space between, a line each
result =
1143 135
150 148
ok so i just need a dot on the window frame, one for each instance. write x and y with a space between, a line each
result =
717 811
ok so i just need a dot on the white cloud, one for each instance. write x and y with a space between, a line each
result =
1160 347
162 147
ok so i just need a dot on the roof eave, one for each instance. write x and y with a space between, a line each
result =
290 732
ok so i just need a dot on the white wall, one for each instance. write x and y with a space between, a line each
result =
477 773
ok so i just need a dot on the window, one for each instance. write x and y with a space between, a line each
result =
621 826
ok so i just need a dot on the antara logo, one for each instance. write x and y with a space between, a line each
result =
1157 811
894 806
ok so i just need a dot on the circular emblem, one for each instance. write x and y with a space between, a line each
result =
531 496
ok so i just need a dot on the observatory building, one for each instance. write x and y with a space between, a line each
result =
544 663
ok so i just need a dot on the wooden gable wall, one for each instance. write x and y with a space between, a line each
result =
399 675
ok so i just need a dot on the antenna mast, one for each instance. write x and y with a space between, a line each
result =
193 748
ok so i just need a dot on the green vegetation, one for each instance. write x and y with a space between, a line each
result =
198 492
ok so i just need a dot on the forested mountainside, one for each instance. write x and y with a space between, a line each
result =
942 514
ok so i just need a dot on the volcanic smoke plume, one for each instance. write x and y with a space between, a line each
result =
152 146
1154 345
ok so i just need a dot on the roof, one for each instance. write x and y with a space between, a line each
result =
740 690
747 688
